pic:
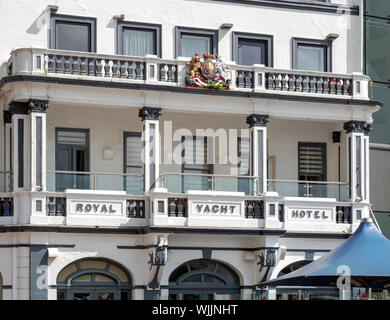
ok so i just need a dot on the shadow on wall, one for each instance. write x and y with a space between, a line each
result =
38 23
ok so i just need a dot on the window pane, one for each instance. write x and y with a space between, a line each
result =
311 58
379 8
73 36
72 137
380 130
377 49
191 44
251 52
311 162
133 154
138 42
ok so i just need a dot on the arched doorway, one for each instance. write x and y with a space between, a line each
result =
202 280
94 279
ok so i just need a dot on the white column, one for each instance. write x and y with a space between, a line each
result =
20 146
29 144
258 134
358 160
37 119
151 146
8 162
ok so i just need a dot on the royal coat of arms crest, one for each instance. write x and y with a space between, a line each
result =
209 73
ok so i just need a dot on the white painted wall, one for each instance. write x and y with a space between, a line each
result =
107 125
24 30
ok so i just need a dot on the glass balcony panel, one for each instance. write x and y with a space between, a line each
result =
311 190
6 182
58 182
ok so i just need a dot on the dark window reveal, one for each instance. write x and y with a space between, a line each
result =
73 33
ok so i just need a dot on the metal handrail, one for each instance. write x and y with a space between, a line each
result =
309 182
96 173
163 177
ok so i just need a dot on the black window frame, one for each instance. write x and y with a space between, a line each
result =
179 31
254 36
75 20
121 25
296 42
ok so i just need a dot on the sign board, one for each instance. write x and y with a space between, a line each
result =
100 208
216 208
312 214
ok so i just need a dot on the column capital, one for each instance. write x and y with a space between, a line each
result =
7 116
32 105
367 129
35 105
356 126
149 113
16 107
257 120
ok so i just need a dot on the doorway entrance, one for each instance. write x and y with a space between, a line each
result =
203 280
72 154
94 279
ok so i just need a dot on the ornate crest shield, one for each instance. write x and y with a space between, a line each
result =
210 73
208 69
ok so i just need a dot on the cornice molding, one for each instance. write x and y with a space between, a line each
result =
297 5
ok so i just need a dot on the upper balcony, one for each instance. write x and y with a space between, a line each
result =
162 74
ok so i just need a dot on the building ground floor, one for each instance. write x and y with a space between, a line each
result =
100 264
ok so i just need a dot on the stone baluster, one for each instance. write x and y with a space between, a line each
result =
76 65
270 81
291 82
131 70
68 65
59 64
107 68
91 67
115 68
338 86
277 82
83 66
305 84
99 67
248 79
312 87
240 82
332 86
284 82
123 69
298 83
320 85
51 63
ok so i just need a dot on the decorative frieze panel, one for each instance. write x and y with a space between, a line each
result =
254 209
135 208
56 206
177 207
344 214
6 207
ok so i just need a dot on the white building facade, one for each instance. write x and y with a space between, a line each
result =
122 178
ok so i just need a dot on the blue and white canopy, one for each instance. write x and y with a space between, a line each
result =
366 253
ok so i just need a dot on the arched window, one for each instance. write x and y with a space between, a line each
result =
201 279
94 279
293 266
